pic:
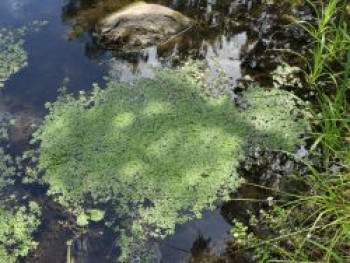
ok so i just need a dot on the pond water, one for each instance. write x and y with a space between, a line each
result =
233 35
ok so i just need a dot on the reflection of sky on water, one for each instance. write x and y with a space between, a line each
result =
215 38
143 68
223 54
19 12
15 7
226 55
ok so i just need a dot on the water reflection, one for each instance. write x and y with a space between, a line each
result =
228 34
14 13
197 240
214 37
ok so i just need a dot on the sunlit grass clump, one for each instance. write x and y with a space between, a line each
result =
160 151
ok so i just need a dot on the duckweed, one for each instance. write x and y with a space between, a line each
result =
160 151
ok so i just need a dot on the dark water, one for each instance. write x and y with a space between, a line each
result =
233 35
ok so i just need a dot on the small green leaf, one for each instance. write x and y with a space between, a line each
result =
83 219
96 215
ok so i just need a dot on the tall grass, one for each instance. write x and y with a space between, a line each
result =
331 39
319 218
325 223
328 73
331 118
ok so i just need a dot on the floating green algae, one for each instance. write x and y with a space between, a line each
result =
159 151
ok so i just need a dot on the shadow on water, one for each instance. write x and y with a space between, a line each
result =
238 36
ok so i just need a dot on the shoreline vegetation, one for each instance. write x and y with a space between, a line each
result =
311 223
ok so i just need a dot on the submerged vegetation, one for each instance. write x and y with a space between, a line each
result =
160 151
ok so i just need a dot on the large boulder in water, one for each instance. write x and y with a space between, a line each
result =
141 25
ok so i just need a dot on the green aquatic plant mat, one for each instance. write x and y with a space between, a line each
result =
17 227
19 219
13 57
161 150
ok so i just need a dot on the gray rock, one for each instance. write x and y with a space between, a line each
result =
141 25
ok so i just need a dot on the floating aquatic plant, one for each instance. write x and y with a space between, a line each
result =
18 220
16 231
94 215
13 57
159 151
287 76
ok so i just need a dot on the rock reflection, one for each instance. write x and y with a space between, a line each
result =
237 34
214 38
